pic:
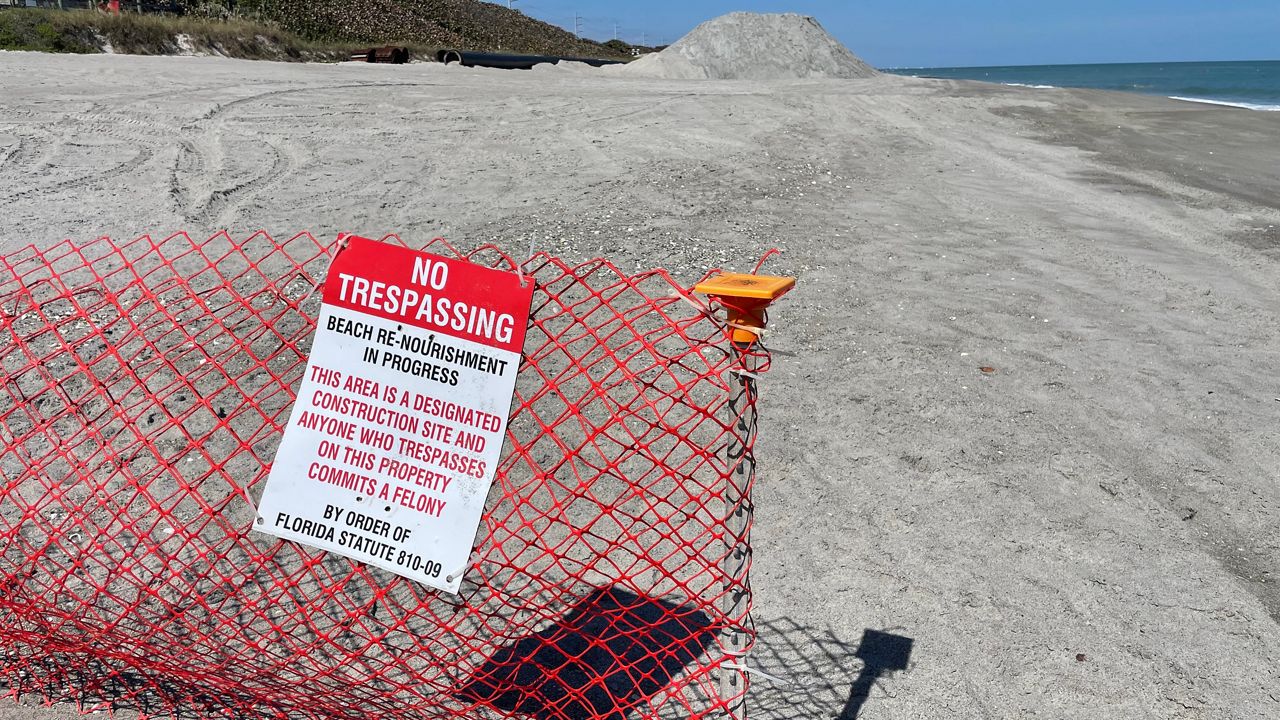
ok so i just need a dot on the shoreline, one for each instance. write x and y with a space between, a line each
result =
1248 84
1226 103
1260 107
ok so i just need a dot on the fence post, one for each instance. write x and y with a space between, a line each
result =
739 509
745 298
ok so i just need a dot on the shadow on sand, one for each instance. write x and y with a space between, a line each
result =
610 653
816 666
615 650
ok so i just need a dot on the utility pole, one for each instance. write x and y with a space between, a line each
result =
615 31
510 4
577 26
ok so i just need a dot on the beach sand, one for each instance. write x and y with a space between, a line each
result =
1088 531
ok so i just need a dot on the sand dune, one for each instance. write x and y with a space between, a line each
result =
751 46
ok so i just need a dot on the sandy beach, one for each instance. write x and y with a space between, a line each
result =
1089 530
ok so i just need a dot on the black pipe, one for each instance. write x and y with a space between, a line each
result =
512 62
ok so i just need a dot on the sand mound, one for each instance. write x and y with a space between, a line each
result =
751 46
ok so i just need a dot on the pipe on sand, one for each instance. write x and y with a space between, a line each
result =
512 62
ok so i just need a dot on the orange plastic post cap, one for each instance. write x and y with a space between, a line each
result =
745 297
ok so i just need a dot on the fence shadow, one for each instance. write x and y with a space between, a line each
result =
610 652
824 676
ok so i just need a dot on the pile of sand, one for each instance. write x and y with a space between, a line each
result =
751 46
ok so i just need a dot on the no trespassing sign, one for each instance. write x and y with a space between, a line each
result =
399 423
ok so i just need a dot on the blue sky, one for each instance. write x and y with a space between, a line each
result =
937 33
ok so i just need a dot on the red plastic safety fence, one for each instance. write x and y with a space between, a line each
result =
146 385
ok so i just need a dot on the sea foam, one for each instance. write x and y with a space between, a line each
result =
1246 106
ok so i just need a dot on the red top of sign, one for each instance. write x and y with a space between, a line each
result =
453 297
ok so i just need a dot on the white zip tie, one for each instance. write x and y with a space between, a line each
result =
701 310
244 492
759 332
458 574
341 244
520 266
757 671
311 292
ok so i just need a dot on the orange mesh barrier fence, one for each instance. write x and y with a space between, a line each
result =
146 385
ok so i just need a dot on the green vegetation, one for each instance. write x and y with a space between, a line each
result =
40 30
289 30
82 31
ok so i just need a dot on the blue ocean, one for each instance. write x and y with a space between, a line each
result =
1253 85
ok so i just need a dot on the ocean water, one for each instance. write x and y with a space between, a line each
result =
1253 85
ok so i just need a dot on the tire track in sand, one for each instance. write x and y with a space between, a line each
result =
204 203
140 158
34 151
36 156
10 150
221 204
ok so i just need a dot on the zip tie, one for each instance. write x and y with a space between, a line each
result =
745 373
757 671
520 266
310 292
759 332
458 574
702 310
244 492
341 244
